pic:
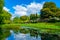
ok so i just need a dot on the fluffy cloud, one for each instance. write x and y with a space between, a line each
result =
20 10
34 7
6 9
28 9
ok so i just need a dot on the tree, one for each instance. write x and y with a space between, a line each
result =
6 17
24 18
46 13
49 10
1 8
33 17
50 13
16 20
58 14
1 5
49 5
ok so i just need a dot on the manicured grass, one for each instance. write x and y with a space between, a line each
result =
42 25
34 25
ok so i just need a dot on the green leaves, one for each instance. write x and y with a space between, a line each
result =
50 11
1 5
58 14
45 13
1 8
16 20
24 18
5 17
49 5
32 16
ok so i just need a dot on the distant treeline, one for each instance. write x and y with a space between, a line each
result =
49 13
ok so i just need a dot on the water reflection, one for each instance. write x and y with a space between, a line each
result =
22 36
45 36
26 34
4 33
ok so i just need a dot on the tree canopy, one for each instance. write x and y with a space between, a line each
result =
1 8
1 5
49 11
49 5
24 18
6 17
16 20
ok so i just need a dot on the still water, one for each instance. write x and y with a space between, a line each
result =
22 36
26 34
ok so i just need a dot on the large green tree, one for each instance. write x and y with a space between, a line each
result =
58 14
46 13
1 5
49 5
1 8
6 17
49 10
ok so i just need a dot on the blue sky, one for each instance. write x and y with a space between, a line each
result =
25 7
9 3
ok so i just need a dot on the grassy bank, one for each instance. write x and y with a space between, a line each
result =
10 26
42 25
34 25
45 27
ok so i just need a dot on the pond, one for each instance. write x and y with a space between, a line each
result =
26 34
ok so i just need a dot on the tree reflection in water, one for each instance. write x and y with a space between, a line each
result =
6 33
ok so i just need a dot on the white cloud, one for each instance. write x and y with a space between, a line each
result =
5 8
34 7
20 10
31 8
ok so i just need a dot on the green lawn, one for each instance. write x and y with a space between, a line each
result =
35 25
44 27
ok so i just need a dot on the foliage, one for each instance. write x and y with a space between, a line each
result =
1 5
34 17
50 13
58 14
5 30
24 18
46 13
48 10
49 5
16 20
5 17
1 8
